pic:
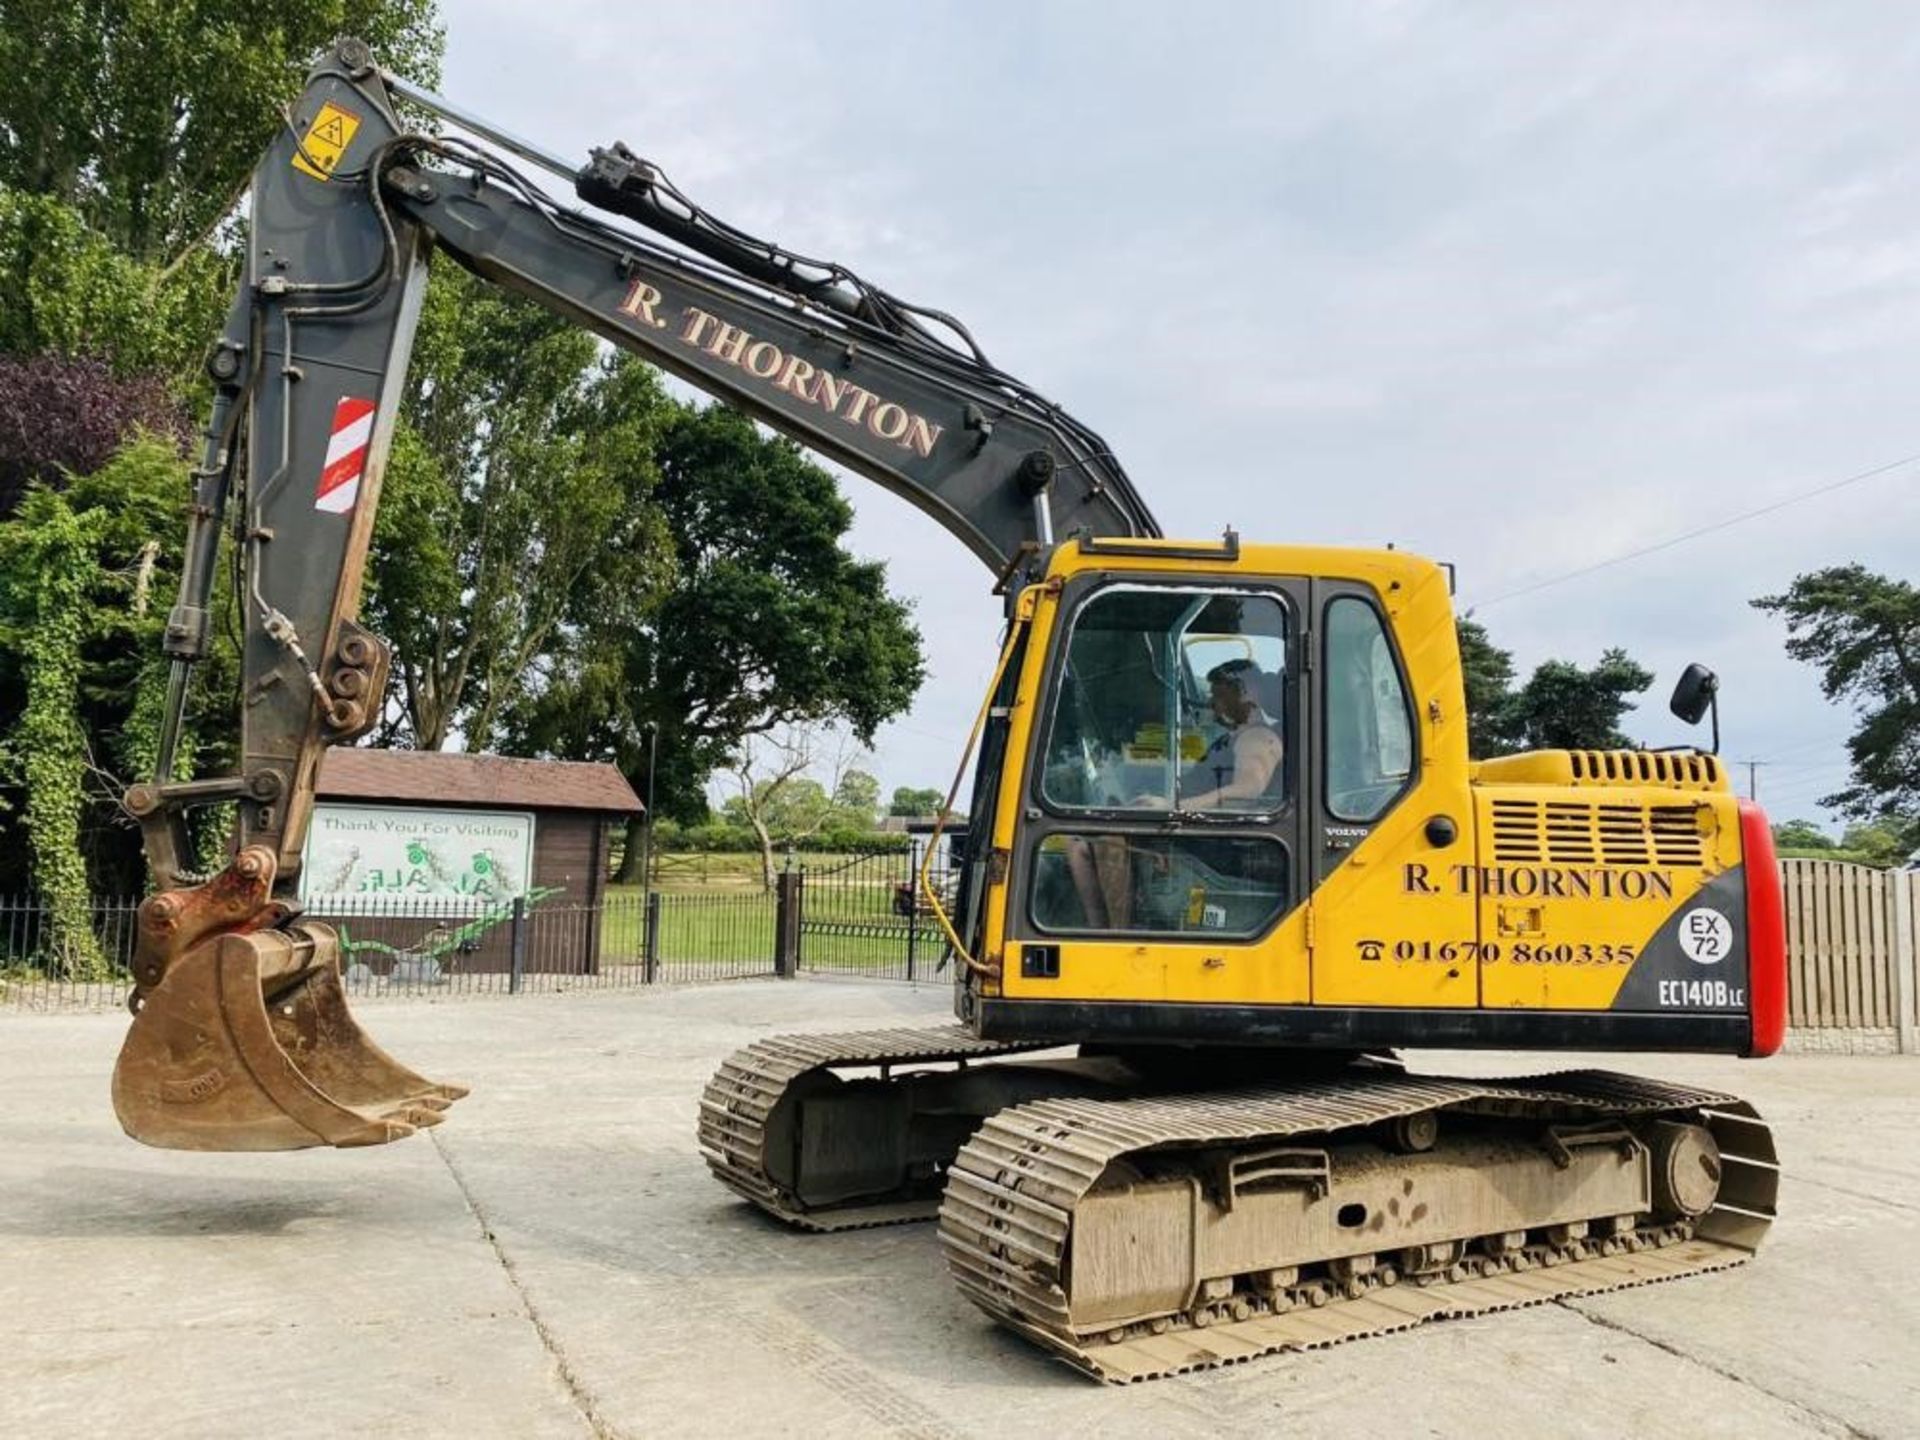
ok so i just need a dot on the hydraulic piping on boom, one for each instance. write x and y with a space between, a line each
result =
242 1037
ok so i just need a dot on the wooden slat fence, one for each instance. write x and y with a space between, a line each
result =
1850 947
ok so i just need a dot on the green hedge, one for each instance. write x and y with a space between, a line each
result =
718 839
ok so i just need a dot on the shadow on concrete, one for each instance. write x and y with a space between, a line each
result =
91 1202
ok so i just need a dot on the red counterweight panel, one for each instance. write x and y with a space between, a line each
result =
1766 933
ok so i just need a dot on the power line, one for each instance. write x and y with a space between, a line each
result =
1805 745
1839 764
1695 534
1804 791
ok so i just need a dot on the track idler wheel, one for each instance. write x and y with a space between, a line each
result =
1686 1169
246 1043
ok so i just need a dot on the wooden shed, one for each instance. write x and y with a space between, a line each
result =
413 843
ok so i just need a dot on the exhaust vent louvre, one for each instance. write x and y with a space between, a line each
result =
1561 832
1645 767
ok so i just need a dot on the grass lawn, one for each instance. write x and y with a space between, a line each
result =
846 924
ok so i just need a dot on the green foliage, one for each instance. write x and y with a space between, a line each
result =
910 802
71 291
146 116
1881 843
768 621
1488 671
856 801
517 508
1801 835
1565 707
790 809
1562 706
127 515
717 837
126 131
798 807
43 594
1863 632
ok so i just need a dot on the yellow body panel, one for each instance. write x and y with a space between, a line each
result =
1573 882
1270 971
1369 946
1563 863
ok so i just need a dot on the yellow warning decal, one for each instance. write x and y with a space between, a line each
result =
326 141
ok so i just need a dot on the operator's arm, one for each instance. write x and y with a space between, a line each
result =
1257 753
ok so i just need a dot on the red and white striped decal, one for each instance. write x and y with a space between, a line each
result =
346 456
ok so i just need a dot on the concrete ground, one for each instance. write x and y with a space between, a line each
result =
555 1261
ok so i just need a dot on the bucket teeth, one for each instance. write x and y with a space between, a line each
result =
212 1063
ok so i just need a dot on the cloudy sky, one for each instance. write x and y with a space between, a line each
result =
1524 287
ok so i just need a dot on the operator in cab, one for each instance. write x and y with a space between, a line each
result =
1242 768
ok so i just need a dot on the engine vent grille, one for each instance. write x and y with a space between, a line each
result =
1562 832
1649 767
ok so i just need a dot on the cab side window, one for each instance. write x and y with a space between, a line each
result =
1369 735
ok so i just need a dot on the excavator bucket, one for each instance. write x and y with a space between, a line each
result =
247 1044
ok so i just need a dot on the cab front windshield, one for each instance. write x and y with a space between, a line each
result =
1171 700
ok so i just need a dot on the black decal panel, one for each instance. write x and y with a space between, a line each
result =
1697 959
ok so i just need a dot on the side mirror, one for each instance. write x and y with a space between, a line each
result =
1696 695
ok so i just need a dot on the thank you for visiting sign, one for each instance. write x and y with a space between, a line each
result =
359 852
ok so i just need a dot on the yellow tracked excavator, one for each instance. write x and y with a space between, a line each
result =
1227 849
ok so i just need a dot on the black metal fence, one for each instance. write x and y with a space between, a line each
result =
860 915
870 915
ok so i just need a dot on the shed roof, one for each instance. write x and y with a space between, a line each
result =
440 778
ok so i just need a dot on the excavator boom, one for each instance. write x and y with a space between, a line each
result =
240 1017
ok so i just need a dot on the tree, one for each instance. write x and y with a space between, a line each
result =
61 417
856 801
1801 835
72 293
1863 632
117 586
517 503
768 622
1488 672
50 568
1561 707
1877 842
126 132
913 803
145 118
776 798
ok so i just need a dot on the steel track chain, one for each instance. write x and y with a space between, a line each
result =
1011 1192
744 1092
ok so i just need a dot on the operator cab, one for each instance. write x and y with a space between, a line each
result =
1176 757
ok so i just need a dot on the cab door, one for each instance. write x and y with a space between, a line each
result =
1140 872
1392 920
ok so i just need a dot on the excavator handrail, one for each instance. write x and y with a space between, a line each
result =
1016 625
